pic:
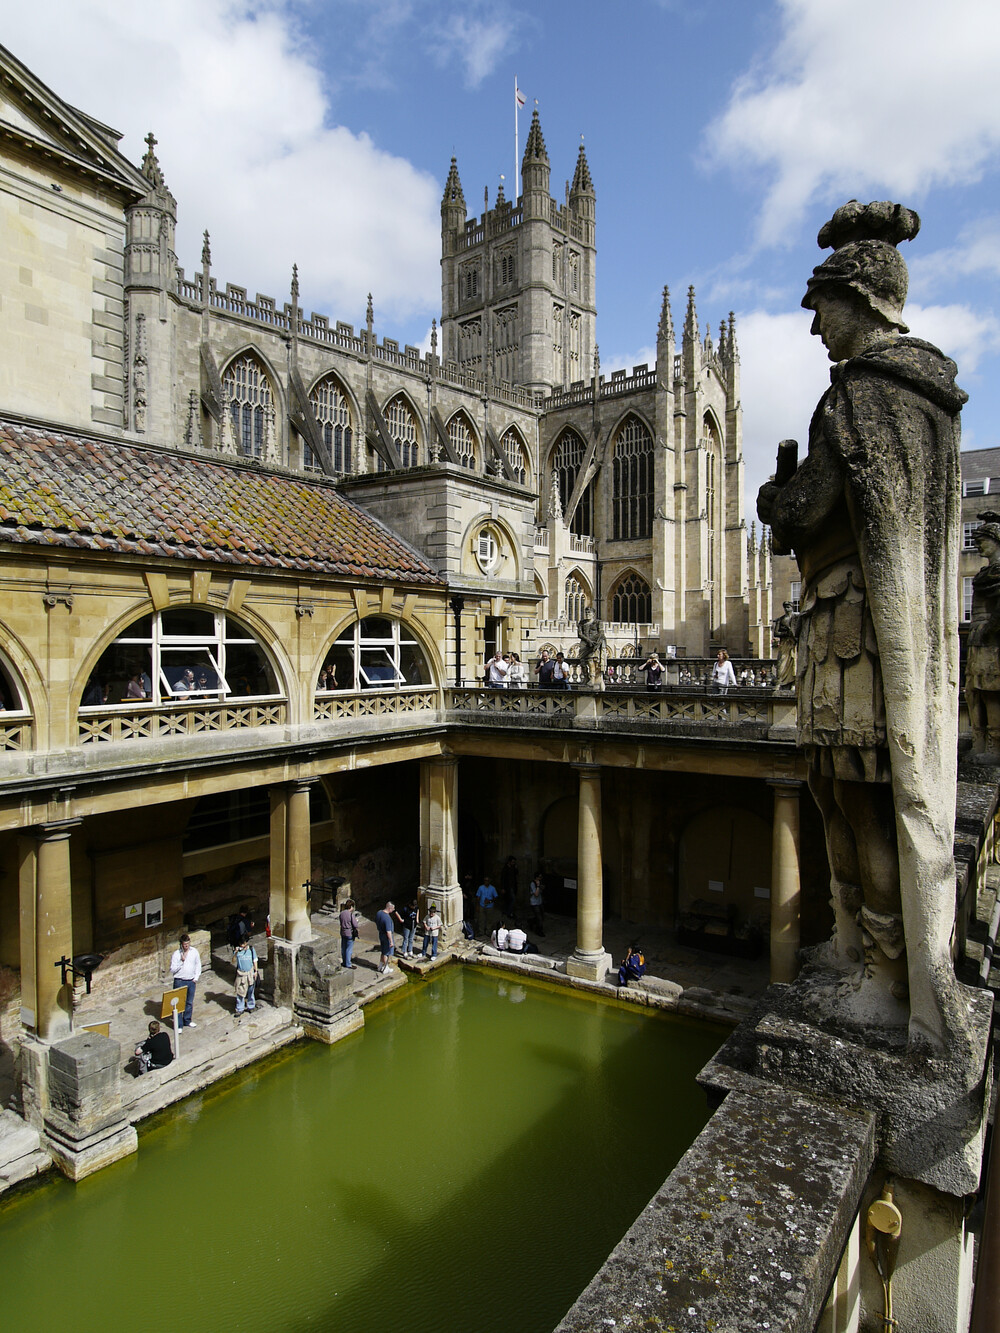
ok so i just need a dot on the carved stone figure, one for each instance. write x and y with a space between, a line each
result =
872 516
785 633
982 668
592 644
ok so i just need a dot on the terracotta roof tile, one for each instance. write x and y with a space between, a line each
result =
67 490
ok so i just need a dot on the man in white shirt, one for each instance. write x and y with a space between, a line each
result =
185 968
499 665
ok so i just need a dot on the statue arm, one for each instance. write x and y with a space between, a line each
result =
800 507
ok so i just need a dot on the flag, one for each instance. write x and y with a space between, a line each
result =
519 97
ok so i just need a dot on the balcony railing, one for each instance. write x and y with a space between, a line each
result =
373 703
189 719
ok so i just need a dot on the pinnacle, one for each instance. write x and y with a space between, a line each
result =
691 318
453 186
582 182
534 148
666 329
150 164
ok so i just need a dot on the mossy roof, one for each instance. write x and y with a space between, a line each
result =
61 489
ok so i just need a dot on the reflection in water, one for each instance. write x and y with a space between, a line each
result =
453 1148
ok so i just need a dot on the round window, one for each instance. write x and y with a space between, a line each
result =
487 550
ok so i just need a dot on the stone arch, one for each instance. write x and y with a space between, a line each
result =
503 529
255 417
576 600
412 451
348 668
564 462
344 443
626 595
515 448
468 446
632 444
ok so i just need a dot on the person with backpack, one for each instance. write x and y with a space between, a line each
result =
245 958
240 928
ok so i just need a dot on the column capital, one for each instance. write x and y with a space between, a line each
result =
790 784
585 766
54 830
300 784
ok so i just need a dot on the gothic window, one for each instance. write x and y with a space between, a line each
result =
506 269
574 344
403 429
557 330
632 481
557 252
710 510
713 468
470 348
566 461
575 599
333 413
505 345
377 654
251 403
183 654
463 441
631 601
574 271
470 282
516 454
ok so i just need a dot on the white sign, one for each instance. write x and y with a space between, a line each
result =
154 913
761 893
133 910
716 886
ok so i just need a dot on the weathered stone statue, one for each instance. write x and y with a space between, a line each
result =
872 515
592 645
785 633
982 668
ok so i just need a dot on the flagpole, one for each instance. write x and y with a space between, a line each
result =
517 177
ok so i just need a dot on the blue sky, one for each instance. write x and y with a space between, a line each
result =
720 134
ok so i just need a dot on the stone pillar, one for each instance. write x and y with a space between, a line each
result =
85 1125
785 881
298 865
47 931
439 843
589 960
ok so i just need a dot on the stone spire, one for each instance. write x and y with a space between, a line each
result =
691 319
500 195
535 172
453 187
452 208
206 250
665 332
295 284
151 166
534 148
582 183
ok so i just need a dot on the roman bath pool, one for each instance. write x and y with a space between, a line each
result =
465 1162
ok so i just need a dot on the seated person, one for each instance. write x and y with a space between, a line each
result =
155 1051
499 937
516 940
632 968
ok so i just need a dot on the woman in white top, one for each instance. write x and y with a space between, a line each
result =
516 673
723 674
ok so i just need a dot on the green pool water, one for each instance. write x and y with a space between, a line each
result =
464 1163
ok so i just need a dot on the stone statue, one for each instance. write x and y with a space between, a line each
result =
785 633
873 518
982 668
592 644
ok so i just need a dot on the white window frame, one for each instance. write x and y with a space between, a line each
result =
361 648
487 549
966 601
976 486
968 535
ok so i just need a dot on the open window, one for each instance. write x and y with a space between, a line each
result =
375 653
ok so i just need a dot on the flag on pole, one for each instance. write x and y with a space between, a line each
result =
519 97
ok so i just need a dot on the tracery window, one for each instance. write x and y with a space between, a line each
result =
470 281
470 342
505 345
631 601
516 453
507 269
632 481
574 271
333 413
557 253
251 403
183 653
557 330
375 653
567 461
574 599
463 441
403 429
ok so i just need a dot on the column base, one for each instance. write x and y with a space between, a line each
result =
589 966
328 1028
449 904
78 1158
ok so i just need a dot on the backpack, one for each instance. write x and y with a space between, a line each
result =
235 931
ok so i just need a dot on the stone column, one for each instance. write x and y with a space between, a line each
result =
47 932
298 864
785 880
439 843
589 960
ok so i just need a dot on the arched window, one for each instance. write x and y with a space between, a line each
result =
463 441
375 653
566 462
713 469
179 655
632 481
333 413
631 601
516 453
575 599
251 404
403 429
11 700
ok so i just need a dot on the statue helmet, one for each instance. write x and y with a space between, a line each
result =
865 259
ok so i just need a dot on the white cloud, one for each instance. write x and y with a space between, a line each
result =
645 356
248 146
976 253
856 97
961 332
478 43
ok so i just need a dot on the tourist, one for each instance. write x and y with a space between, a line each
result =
349 931
497 669
544 671
155 1052
486 896
186 684
653 668
560 673
517 675
632 968
536 904
385 924
239 928
516 940
432 928
499 937
245 958
136 689
722 673
508 887
411 918
185 968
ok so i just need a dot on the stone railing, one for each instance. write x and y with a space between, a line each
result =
373 703
149 721
541 539
16 733
581 545
529 703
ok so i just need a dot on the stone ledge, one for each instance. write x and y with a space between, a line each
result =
747 1231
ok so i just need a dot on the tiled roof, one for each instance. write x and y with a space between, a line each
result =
98 495
977 464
